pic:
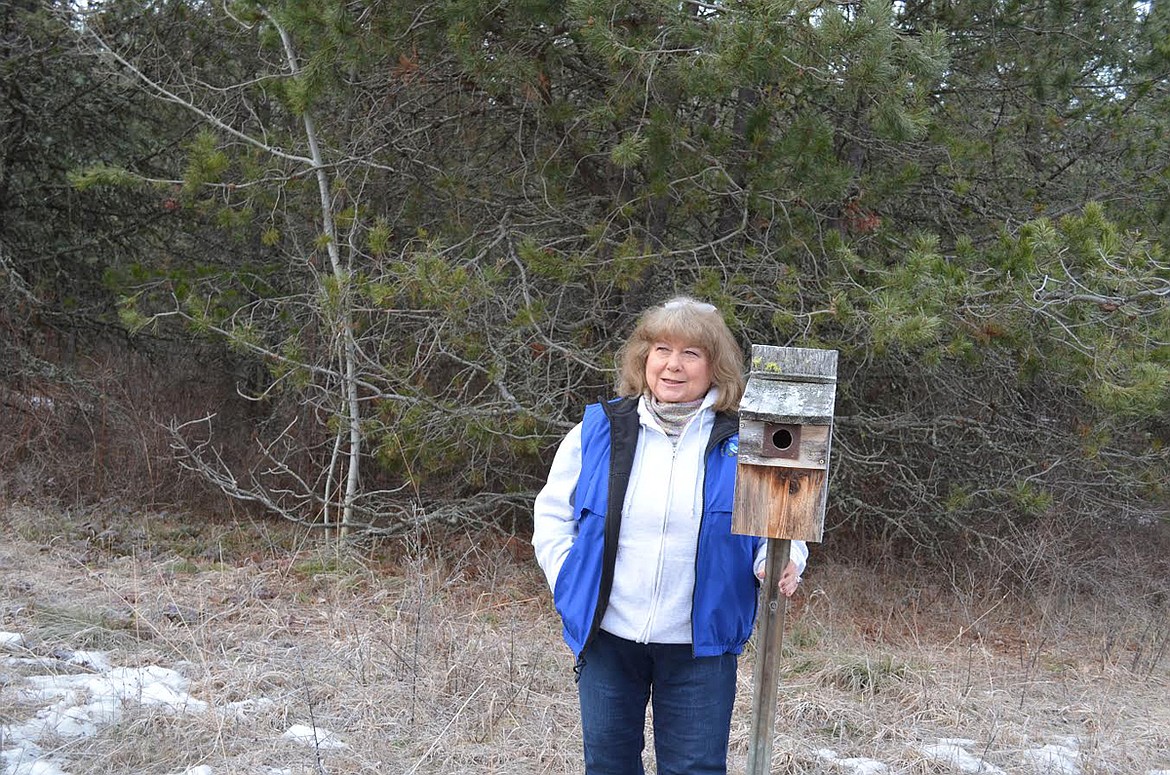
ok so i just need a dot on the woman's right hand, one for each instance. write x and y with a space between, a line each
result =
789 579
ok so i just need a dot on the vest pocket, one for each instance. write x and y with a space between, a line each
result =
725 591
579 580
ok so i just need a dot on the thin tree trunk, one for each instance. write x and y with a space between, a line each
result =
341 273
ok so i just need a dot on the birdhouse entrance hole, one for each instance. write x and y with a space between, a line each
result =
781 441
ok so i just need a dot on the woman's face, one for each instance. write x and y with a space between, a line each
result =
677 372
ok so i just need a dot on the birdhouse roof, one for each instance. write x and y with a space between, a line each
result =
793 364
795 403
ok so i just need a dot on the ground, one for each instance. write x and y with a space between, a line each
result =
165 644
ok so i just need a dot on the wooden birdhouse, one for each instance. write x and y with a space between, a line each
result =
785 430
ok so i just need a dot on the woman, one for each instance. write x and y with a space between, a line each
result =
633 532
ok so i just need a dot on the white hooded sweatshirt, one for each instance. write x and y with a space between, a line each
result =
654 574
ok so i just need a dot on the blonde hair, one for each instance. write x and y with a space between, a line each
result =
691 322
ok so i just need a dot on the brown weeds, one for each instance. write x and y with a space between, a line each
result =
441 654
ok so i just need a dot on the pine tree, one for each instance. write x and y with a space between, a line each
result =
449 214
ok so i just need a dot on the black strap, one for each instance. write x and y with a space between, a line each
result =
623 443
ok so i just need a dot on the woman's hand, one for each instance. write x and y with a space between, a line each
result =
788 579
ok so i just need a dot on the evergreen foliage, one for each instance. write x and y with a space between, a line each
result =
437 220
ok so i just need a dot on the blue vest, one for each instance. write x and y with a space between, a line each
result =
723 605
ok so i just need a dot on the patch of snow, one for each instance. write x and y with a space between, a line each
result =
245 708
79 704
955 755
94 660
855 765
28 760
11 641
47 664
76 706
314 736
47 688
1054 760
202 769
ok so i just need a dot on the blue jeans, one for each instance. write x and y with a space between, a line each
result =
693 698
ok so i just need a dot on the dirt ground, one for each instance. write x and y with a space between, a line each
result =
441 654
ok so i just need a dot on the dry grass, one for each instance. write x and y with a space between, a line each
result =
443 655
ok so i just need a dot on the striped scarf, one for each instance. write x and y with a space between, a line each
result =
673 417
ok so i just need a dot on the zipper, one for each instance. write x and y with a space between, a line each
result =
656 591
654 598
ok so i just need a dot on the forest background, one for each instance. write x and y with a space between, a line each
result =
354 268
360 265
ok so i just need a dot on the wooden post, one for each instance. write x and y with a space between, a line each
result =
766 679
781 484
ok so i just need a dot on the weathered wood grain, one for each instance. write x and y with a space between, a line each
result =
799 403
779 502
797 364
813 452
